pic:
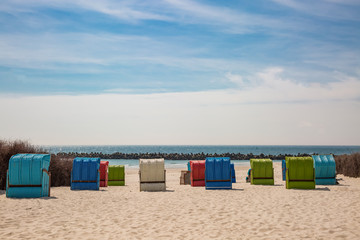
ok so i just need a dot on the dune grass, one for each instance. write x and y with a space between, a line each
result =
348 165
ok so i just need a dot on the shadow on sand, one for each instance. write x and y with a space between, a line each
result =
233 189
167 190
342 185
278 185
316 189
49 198
322 189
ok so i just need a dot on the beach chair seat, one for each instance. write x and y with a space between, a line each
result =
116 175
104 173
262 172
197 175
85 174
185 177
152 175
300 173
325 169
218 173
28 176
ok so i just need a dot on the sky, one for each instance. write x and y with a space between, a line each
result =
263 72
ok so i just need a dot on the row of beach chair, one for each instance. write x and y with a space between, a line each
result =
211 173
28 174
298 172
91 173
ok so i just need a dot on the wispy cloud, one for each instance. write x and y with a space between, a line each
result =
123 10
270 86
330 9
173 11
51 50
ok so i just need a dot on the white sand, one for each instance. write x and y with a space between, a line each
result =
184 212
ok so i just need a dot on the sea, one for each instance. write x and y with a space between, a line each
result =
211 149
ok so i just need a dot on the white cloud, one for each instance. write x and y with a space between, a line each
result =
277 112
234 78
272 87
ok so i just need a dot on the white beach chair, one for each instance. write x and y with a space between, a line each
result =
152 175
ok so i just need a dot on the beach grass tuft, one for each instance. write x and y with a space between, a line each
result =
60 169
348 164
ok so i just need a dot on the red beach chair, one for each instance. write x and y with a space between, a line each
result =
197 176
104 172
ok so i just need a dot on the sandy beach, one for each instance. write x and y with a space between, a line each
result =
184 212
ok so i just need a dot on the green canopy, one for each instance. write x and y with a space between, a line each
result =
116 175
300 172
262 171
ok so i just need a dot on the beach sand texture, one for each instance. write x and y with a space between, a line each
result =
184 212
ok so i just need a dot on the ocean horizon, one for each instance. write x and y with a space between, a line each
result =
207 149
210 149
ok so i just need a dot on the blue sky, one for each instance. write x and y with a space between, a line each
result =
300 57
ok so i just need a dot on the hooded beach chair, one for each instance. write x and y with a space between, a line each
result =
85 174
218 173
262 172
325 169
197 174
152 175
188 166
283 169
233 176
116 175
104 173
28 176
300 173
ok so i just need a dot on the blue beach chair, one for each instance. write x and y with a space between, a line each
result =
325 169
28 176
218 173
85 174
283 166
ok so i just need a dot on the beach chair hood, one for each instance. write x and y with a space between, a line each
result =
104 173
300 173
197 174
325 169
152 174
116 175
28 176
218 173
262 171
85 174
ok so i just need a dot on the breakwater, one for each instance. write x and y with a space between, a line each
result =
174 156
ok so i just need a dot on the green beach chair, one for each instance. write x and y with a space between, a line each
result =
116 175
300 173
262 172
